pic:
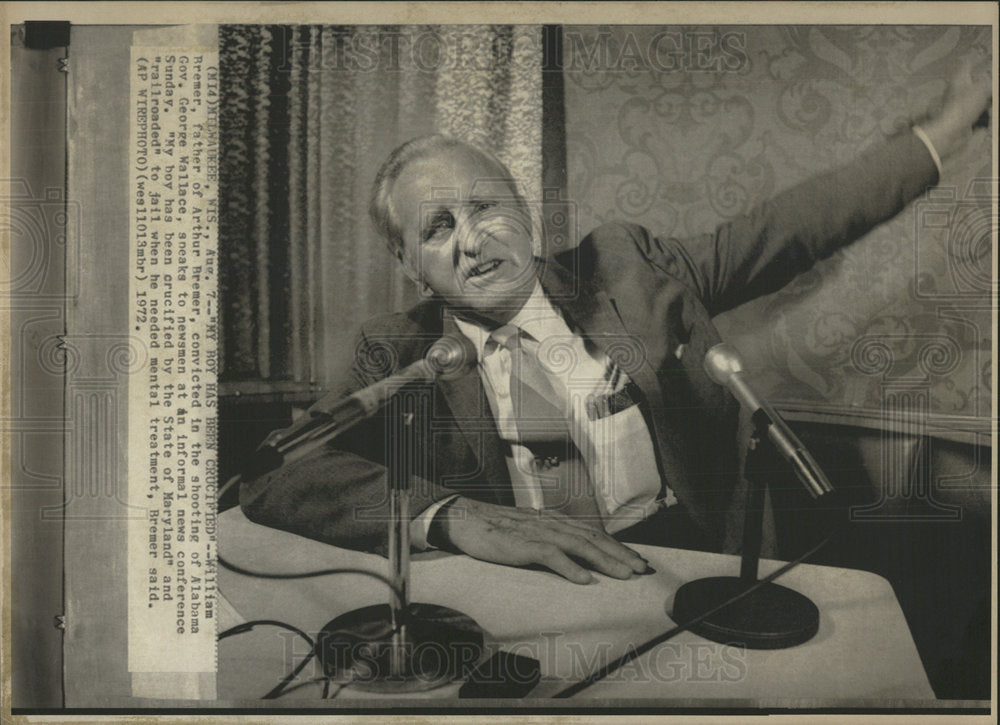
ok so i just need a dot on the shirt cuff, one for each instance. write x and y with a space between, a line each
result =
919 133
421 524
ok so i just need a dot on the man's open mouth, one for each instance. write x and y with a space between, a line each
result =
485 267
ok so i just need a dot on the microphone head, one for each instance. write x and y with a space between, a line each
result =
451 356
722 361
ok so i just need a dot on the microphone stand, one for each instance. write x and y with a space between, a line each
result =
773 616
403 646
399 556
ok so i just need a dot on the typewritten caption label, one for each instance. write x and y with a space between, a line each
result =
173 311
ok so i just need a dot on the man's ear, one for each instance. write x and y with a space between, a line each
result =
409 268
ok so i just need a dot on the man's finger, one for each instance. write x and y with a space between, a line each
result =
606 543
594 556
551 556
622 553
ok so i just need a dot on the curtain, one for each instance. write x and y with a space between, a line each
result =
307 115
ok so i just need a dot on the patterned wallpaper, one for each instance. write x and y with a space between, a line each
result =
680 128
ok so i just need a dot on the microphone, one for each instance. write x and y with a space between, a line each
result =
723 365
448 357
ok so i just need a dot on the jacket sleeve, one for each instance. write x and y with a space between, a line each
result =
760 252
337 494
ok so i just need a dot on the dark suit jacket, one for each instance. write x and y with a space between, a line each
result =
636 296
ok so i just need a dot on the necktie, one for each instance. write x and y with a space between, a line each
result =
543 424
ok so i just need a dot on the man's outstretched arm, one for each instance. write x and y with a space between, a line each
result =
762 251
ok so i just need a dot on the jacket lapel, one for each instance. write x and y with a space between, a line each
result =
467 401
593 311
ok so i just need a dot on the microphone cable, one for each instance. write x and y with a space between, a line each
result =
635 652
279 689
294 575
244 627
282 688
228 485
308 574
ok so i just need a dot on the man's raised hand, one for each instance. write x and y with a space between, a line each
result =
968 95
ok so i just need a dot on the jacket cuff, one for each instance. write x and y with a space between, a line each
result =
421 524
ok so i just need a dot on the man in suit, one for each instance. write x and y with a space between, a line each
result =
636 443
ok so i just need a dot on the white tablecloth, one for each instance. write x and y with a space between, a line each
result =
863 652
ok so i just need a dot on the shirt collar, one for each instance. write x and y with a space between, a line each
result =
537 317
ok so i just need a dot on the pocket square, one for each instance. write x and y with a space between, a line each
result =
602 406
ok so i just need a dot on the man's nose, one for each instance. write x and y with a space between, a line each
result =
471 238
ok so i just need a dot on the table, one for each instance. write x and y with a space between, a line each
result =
863 654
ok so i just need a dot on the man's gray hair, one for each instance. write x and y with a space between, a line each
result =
379 207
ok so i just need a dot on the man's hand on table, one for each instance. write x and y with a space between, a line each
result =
521 537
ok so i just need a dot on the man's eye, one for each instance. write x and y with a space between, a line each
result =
440 223
484 205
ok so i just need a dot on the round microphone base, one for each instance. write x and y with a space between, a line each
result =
772 617
440 646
